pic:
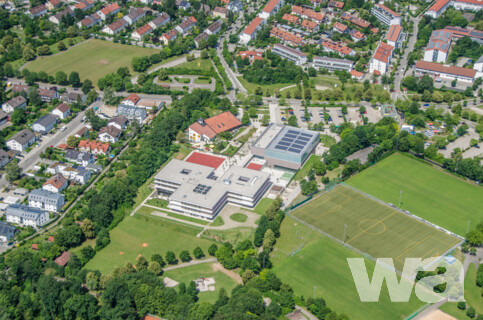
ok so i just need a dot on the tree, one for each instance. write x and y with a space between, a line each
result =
61 78
171 257
159 259
71 32
185 256
181 137
74 79
13 171
245 119
18 117
319 168
155 268
61 46
43 50
69 236
247 275
88 229
28 52
292 121
198 253
268 240
212 249
86 86
141 263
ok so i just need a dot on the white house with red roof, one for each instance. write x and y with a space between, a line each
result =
395 36
206 130
438 46
171 35
62 111
131 100
440 6
272 7
251 30
381 59
385 14
141 32
113 8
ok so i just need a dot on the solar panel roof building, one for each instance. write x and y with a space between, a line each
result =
285 146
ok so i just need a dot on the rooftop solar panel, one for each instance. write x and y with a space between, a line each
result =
294 150
306 135
283 144
305 139
298 146
281 148
290 136
287 140
292 132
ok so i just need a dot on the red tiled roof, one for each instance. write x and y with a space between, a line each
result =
356 74
51 239
255 55
311 14
340 26
290 18
383 52
62 146
170 34
336 47
56 181
35 246
110 9
134 98
438 5
336 4
250 29
143 29
63 259
94 145
439 68
309 24
394 32
204 130
270 6
63 107
286 36
223 122
205 160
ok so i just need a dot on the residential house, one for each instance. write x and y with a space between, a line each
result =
135 15
342 50
14 103
335 5
385 15
340 27
395 36
96 168
21 140
79 157
44 199
48 95
55 184
115 27
251 30
332 64
438 46
310 25
290 18
150 104
308 14
53 4
381 59
82 133
57 18
132 112
183 4
72 97
120 122
220 12
215 27
63 259
272 7
286 37
361 23
356 74
75 173
160 20
62 111
3 117
112 8
27 216
444 71
201 37
109 134
251 55
131 100
141 32
84 5
235 6
169 36
7 232
95 147
356 35
206 130
19 88
4 158
290 54
185 26
89 21
38 11
44 124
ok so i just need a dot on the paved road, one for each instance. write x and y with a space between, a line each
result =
404 60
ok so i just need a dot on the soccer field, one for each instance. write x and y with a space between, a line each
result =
373 227
427 192
92 59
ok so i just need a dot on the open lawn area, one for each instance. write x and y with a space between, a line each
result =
304 258
146 236
197 64
263 205
372 227
251 87
427 192
92 60
302 173
204 270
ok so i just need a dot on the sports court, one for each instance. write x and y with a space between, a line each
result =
373 227
205 160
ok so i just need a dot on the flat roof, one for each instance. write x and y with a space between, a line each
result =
205 160
179 171
292 140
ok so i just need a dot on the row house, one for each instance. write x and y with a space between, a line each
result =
95 147
331 46
335 5
220 12
111 9
46 200
340 27
160 20
84 5
272 7
290 18
53 4
57 18
361 23
310 25
115 27
185 26
17 102
89 21
251 30
141 32
169 36
201 37
135 15
308 14
38 11
286 37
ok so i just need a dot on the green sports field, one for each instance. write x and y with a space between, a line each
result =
304 258
92 59
429 193
373 227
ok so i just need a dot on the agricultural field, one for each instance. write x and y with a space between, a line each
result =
373 227
307 260
146 236
92 59
205 270
429 193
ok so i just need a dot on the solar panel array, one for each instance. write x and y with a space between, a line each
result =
293 141
202 188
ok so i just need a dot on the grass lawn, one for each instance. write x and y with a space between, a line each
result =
234 236
263 205
202 81
373 227
129 238
251 87
148 211
217 222
92 59
197 64
304 258
158 203
302 173
203 270
327 140
428 193
239 217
